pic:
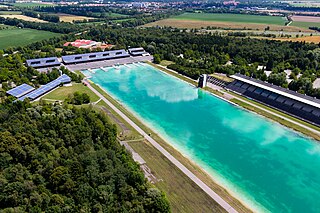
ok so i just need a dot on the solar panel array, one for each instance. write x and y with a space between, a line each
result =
46 88
20 90
80 58
43 62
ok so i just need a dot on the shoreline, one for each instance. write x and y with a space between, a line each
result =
232 192
301 133
223 183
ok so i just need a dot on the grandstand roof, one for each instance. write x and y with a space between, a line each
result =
43 62
20 90
46 88
278 90
95 56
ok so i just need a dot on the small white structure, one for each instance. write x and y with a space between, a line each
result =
261 67
316 83
267 73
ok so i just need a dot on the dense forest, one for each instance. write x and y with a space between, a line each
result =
59 159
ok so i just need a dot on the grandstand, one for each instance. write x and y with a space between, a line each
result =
296 104
139 51
45 88
95 56
43 62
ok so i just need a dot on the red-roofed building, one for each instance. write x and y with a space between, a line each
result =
82 43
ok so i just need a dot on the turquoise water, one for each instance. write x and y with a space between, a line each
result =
270 166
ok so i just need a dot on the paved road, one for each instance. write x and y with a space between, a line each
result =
184 169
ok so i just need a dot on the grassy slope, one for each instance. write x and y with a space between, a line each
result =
19 37
63 92
183 194
239 18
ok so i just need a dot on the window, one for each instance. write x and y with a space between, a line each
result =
92 56
77 57
50 61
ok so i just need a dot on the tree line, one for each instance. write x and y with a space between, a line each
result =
42 16
194 54
62 159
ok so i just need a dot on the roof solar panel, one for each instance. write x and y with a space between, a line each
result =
46 88
20 90
43 62
112 54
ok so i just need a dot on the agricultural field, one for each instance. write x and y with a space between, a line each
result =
112 15
228 21
234 18
10 12
12 36
33 4
70 18
23 17
309 39
306 21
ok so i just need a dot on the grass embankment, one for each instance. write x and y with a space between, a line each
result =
116 119
175 74
186 162
222 77
166 63
62 93
182 193
13 37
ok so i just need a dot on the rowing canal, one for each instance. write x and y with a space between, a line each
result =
268 166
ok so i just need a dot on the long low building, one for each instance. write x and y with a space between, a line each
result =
296 104
95 56
20 90
63 79
43 62
138 51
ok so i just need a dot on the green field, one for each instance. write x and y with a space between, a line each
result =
13 36
32 4
63 92
305 24
236 18
122 20
10 12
